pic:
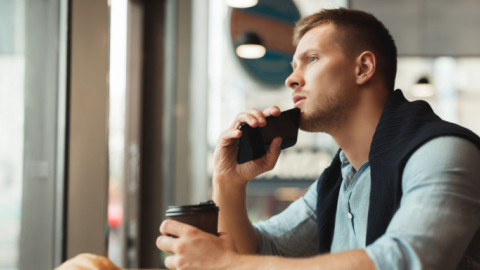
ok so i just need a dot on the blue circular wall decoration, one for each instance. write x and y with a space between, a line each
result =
273 21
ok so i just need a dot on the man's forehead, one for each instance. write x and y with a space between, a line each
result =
311 41
318 32
316 38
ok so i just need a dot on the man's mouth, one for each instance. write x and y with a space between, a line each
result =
298 100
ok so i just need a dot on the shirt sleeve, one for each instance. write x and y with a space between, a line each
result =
293 232
439 212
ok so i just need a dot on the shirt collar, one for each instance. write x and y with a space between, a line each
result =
343 158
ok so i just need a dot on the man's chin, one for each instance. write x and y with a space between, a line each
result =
309 127
312 125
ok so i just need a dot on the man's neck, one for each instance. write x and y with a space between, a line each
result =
355 136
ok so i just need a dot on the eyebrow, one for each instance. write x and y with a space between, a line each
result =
302 55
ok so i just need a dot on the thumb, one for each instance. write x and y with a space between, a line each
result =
273 152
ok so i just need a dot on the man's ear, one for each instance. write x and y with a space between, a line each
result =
366 64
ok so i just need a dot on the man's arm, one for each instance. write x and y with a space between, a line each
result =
230 179
233 218
195 249
354 259
293 232
440 208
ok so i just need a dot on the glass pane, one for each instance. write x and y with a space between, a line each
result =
29 102
118 50
454 91
12 69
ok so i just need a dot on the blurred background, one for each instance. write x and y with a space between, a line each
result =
110 110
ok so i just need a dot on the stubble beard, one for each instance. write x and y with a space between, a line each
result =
325 117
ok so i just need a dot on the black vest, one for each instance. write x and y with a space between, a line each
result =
403 127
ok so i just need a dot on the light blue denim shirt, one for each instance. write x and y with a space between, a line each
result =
436 225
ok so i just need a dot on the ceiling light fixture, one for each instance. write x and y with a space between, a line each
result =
250 46
241 3
423 88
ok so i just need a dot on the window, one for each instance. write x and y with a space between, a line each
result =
32 118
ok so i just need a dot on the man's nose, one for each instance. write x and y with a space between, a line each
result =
295 80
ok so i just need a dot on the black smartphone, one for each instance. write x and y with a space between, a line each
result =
255 142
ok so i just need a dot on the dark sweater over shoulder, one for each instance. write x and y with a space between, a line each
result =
403 127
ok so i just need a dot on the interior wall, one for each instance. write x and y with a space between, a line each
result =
87 191
429 27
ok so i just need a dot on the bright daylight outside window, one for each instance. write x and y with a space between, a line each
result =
117 90
32 136
12 72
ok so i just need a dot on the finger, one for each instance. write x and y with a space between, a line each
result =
261 121
275 146
166 243
170 262
231 133
229 137
253 117
272 111
176 228
243 118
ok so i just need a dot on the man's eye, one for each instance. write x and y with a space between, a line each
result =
312 59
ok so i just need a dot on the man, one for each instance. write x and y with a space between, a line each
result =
403 192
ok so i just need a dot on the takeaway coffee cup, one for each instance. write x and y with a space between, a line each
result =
203 216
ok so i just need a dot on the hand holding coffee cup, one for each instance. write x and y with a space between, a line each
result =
203 216
190 235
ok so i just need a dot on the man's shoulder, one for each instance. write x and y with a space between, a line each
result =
447 147
443 155
405 126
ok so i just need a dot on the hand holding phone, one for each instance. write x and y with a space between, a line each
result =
255 142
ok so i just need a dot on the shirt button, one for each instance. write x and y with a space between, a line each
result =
350 216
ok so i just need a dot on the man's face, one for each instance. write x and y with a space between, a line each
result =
322 80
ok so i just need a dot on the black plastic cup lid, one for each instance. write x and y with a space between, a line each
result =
190 209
